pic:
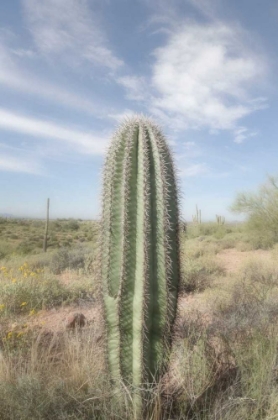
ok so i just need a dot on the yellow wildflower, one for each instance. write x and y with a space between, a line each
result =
32 312
23 304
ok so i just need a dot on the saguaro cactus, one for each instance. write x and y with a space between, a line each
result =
140 252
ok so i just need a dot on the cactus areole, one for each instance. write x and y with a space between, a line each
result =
140 251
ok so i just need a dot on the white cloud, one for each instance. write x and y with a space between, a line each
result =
68 29
204 77
80 141
195 169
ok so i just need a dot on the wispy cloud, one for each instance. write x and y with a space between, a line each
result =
69 29
192 170
242 133
136 87
18 161
12 76
80 141
206 7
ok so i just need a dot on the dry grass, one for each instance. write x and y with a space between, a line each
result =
62 376
223 364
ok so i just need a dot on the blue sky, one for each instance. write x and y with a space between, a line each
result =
71 70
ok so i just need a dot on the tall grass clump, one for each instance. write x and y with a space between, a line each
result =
61 377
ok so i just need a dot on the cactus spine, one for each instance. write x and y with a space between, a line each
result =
140 252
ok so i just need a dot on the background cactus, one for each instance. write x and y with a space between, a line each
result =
140 252
197 218
220 220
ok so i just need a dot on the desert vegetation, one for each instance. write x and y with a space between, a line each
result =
223 363
62 353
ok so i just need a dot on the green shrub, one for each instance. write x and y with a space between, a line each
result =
25 247
29 288
73 259
5 249
73 225
25 290
14 236
208 229
261 209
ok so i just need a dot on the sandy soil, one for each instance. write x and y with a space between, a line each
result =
56 319
232 259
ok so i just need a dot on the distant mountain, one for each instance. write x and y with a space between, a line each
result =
7 215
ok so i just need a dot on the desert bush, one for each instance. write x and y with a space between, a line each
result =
196 248
197 274
5 249
14 236
226 243
26 298
208 229
244 246
262 240
25 290
224 366
26 247
30 234
38 261
246 330
72 225
261 209
199 372
77 258
253 301
194 278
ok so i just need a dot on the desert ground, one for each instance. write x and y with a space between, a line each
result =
223 360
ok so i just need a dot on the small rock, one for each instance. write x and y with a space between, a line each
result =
76 320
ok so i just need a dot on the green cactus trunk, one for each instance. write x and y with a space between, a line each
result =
140 252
